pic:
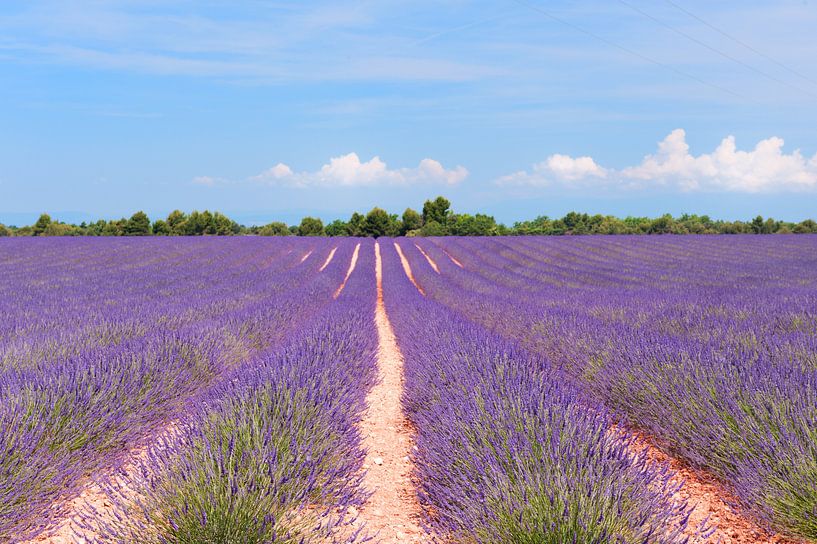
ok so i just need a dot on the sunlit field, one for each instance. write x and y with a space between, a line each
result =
220 389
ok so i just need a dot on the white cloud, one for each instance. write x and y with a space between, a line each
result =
279 171
558 169
349 171
766 168
568 168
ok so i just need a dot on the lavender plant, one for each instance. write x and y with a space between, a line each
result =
105 340
271 453
707 344
508 450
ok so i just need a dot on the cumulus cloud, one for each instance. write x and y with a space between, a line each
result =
557 169
766 168
279 171
349 171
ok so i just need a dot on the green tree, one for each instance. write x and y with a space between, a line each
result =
4 230
161 228
540 225
175 222
60 229
310 226
663 225
379 223
805 227
338 227
432 228
436 210
206 223
114 228
611 225
757 224
95 229
411 221
472 225
770 226
355 224
138 225
41 225
577 223
276 228
224 226
199 223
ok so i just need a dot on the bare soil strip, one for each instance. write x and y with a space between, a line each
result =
710 502
348 272
429 259
407 268
392 513
453 260
305 257
328 259
93 498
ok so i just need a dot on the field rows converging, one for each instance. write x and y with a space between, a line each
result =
99 360
491 390
391 512
508 451
702 348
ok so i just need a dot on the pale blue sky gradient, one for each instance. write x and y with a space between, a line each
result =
107 107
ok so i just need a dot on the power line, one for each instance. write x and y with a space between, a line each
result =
460 28
627 50
741 42
714 49
445 32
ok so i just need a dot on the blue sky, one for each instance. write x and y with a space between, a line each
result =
274 110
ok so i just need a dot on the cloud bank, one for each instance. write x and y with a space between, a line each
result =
764 169
349 171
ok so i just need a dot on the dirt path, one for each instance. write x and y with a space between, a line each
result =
352 265
68 529
392 513
407 268
305 257
711 502
328 259
453 260
428 258
65 529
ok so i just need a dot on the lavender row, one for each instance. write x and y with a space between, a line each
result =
106 340
708 344
272 452
507 449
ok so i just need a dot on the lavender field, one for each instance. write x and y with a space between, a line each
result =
217 390
707 344
104 344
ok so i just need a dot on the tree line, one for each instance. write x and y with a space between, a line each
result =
436 219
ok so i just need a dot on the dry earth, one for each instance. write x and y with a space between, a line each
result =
392 513
66 529
352 265
407 268
453 260
710 501
429 259
328 259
